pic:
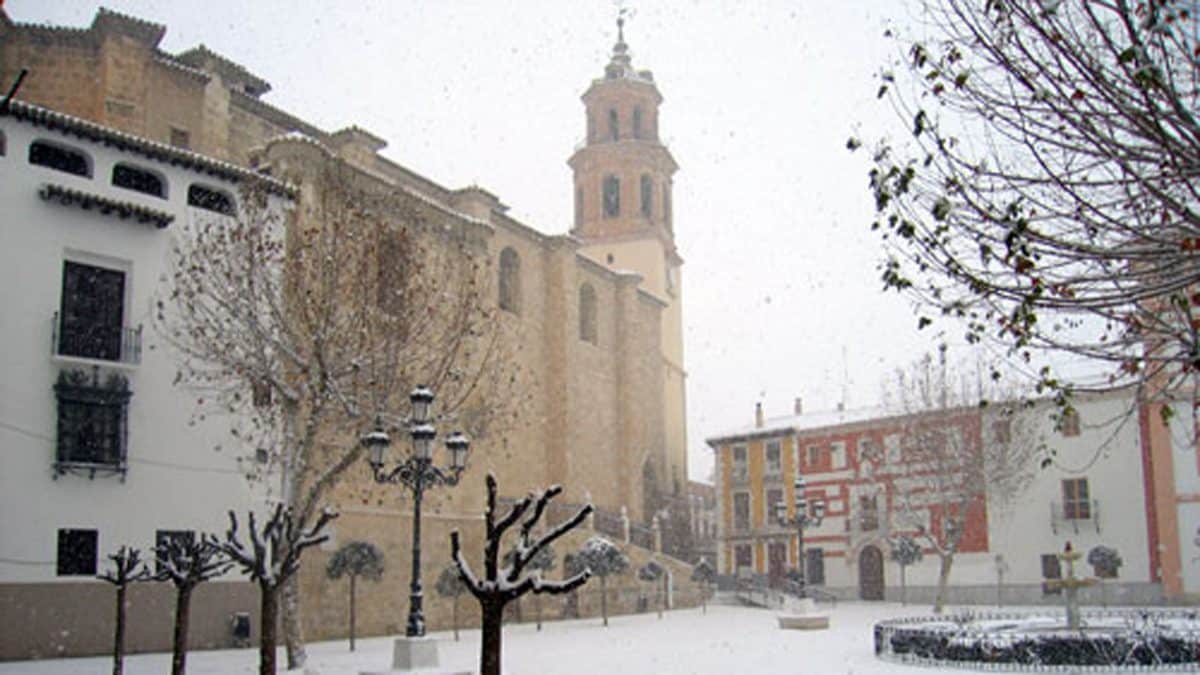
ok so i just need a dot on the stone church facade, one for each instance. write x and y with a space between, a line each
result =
594 314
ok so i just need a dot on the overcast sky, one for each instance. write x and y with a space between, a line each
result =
781 293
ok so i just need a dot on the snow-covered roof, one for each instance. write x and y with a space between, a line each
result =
775 426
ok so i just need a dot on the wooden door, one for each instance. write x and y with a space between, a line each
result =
870 574
776 563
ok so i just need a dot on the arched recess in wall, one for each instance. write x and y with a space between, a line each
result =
611 196
510 281
647 186
60 158
587 313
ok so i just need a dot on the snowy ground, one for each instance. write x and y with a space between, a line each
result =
725 640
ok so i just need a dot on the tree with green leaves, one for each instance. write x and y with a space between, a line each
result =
905 551
127 568
1046 196
543 562
187 561
604 559
354 560
450 585
704 574
653 573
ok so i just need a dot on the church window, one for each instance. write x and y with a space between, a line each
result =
614 127
578 207
637 122
647 195
209 199
59 158
587 313
510 281
612 196
139 180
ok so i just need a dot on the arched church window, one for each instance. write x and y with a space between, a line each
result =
637 122
614 126
647 195
612 196
510 281
587 313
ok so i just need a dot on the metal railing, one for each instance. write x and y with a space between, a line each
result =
118 345
1085 513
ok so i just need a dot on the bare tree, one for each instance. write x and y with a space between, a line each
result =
1047 195
271 556
542 563
301 319
355 559
500 586
187 562
942 470
127 568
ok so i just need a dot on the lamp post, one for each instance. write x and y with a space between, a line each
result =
417 473
802 518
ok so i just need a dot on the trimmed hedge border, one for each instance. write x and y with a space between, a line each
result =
1142 645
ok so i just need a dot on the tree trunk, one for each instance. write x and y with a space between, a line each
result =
704 598
119 634
269 610
939 603
658 600
604 599
352 612
537 609
454 616
903 586
183 602
293 631
489 655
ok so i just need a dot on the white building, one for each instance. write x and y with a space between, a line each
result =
100 448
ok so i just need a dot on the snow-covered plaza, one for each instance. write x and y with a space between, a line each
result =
725 640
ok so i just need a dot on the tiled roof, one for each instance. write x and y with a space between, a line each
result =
105 206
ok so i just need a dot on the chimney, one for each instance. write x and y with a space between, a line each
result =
799 406
758 416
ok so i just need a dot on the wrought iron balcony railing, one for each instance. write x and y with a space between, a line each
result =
121 345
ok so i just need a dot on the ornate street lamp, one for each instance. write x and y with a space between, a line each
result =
803 518
417 473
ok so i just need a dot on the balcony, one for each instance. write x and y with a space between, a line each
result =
1074 516
739 475
95 344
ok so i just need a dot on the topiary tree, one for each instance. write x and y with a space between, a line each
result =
450 585
1105 560
604 559
187 562
355 559
127 568
704 574
652 572
542 562
905 551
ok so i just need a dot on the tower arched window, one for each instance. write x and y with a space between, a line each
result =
510 281
614 125
587 313
647 195
612 196
637 122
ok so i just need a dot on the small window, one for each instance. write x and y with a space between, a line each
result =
168 544
815 572
637 122
210 199
612 196
739 462
647 196
92 422
774 496
77 552
1076 503
1051 569
92 313
139 180
1070 422
741 511
510 281
774 455
180 138
260 394
837 455
868 508
587 313
60 158
613 125
743 556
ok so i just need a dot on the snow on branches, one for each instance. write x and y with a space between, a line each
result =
272 553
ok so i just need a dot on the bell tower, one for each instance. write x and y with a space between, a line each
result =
623 217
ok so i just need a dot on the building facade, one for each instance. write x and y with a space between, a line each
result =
592 317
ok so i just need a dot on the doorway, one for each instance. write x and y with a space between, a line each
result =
870 574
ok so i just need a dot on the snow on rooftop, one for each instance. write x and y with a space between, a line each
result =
806 422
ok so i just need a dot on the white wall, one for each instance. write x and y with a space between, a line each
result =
176 480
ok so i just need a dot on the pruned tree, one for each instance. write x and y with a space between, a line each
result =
1046 194
499 586
450 585
704 574
543 562
355 559
270 556
905 551
941 470
299 319
187 562
604 559
1106 561
652 573
127 568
